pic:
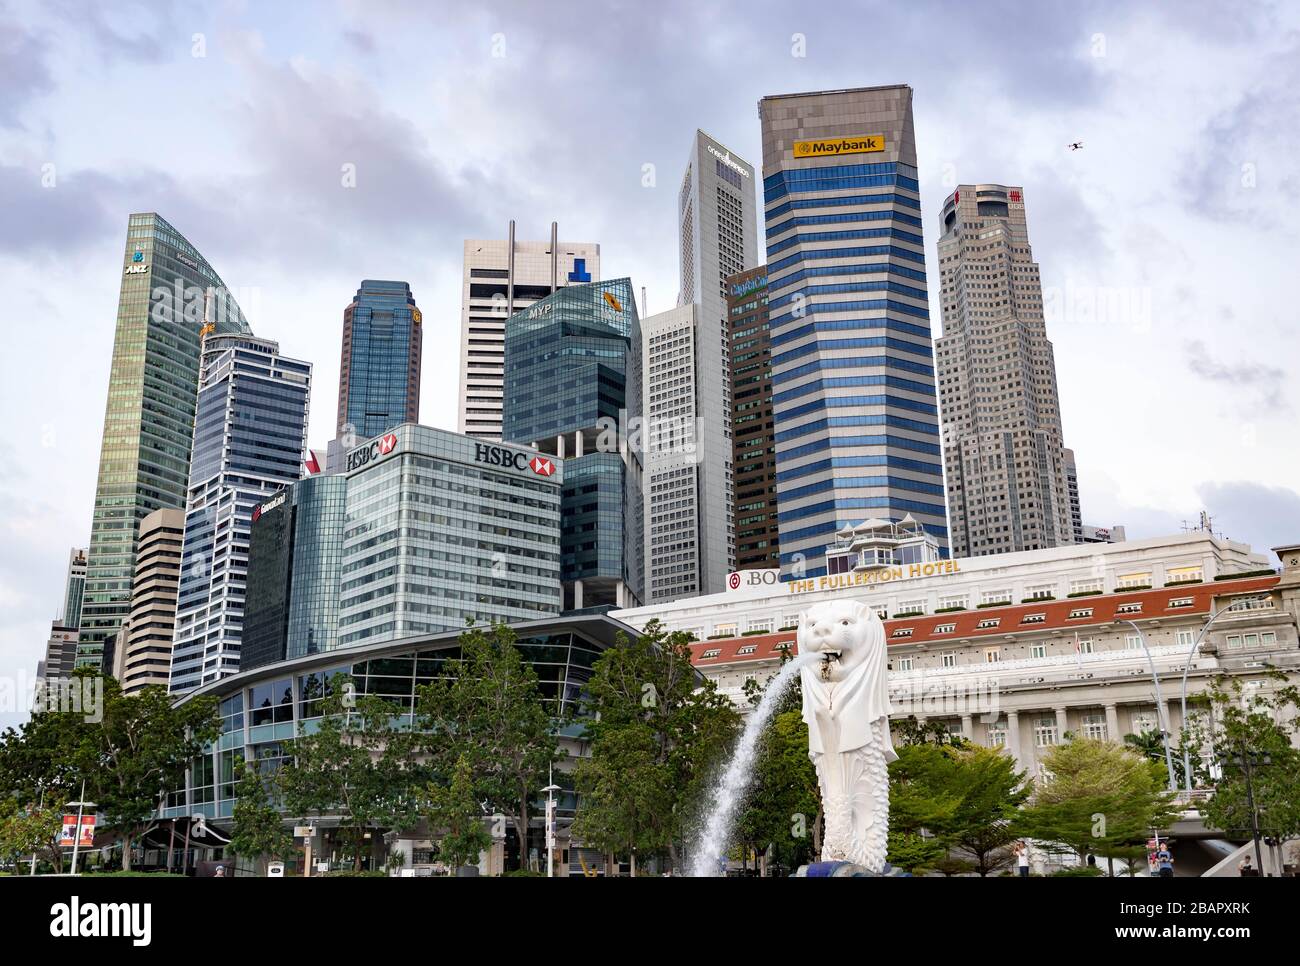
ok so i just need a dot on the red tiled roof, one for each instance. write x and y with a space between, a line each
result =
1056 616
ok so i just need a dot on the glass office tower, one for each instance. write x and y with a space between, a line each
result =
169 293
249 434
379 370
573 390
857 421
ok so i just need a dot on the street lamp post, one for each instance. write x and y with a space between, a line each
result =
81 804
40 807
1246 762
1161 710
1187 755
550 790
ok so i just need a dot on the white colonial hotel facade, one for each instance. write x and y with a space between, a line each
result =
1017 649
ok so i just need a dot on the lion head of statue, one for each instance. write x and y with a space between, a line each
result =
841 633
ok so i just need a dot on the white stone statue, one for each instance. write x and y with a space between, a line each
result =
846 708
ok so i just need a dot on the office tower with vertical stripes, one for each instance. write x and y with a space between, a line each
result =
1012 484
855 407
500 279
169 295
249 434
146 641
379 370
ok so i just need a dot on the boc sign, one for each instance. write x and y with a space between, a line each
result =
739 580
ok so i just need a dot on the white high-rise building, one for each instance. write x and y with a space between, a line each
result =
1011 483
718 237
501 278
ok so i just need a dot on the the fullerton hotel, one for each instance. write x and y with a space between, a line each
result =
1017 649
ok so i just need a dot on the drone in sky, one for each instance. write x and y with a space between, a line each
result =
1076 145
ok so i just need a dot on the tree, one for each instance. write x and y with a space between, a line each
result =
1252 727
30 831
455 818
258 830
489 711
358 764
923 797
649 684
622 787
1101 796
992 791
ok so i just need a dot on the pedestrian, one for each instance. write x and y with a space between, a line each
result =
1022 859
1164 863
1244 867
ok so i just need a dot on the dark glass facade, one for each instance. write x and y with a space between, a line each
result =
379 370
169 295
573 387
753 428
294 566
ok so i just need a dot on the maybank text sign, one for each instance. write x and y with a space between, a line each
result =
829 147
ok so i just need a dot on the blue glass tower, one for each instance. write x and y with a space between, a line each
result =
379 371
573 389
855 409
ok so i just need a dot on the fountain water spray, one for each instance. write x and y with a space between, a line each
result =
727 792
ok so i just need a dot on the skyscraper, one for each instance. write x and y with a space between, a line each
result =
70 614
147 649
717 237
753 426
169 292
857 426
1011 482
500 279
379 370
573 390
249 435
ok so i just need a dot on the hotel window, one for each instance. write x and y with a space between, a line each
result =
1132 642
996 597
1094 726
1234 641
992 655
747 649
783 646
790 620
711 652
1259 602
1267 638
1135 608
1250 640
695 632
724 630
1040 592
1080 612
1182 602
1178 575
764 626
912 607
905 664
949 659
902 632
1045 732
1092 585
963 601
881 611
998 734
1084 646
944 628
1033 619
1133 580
1038 650
1144 721
1186 638
987 623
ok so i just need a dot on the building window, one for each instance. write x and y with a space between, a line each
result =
987 623
905 664
944 628
1267 638
1040 592
761 626
1186 638
902 632
1128 581
998 734
950 659
1182 602
1250 640
1038 650
912 607
787 646
1234 640
1092 585
954 602
1084 646
747 649
992 597
1263 602
1135 608
1045 732
1132 642
1080 612
992 655
1033 619
1094 727
1184 575
711 652
724 630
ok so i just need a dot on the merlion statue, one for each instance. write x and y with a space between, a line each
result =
846 708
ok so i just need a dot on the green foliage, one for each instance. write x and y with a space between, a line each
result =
357 764
656 732
1101 796
455 817
1078 872
28 831
257 830
910 731
783 804
488 711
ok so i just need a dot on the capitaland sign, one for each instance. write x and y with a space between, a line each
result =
858 144
749 285
380 446
513 459
884 575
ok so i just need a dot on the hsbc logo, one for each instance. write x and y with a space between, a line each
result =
371 451
512 459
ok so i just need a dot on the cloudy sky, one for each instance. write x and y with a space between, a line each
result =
1164 244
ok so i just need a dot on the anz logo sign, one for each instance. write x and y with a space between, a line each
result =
372 451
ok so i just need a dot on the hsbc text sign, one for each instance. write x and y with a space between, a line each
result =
513 459
372 451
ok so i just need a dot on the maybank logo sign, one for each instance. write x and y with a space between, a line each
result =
613 302
725 158
861 144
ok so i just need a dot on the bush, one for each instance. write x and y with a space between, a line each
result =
1035 600
1084 593
1135 587
1180 583
364 874
909 613
995 603
1247 573
1078 872
948 610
